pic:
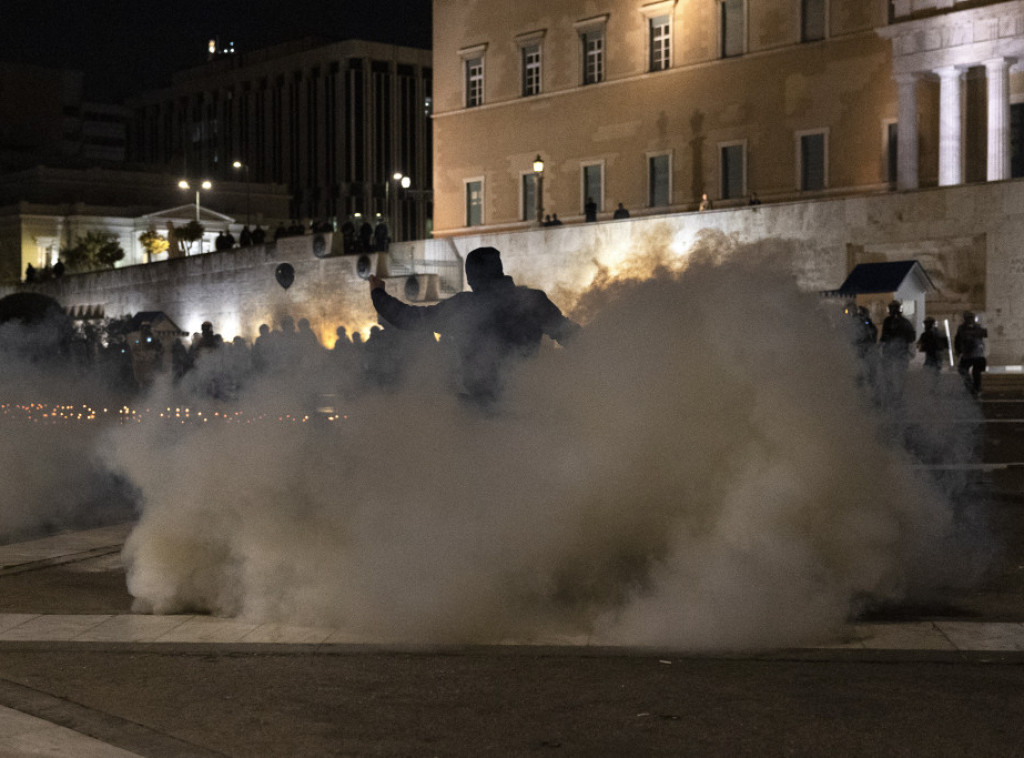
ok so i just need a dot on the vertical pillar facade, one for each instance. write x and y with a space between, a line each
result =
998 77
907 144
950 125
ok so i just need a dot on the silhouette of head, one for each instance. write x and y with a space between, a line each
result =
483 267
968 317
895 307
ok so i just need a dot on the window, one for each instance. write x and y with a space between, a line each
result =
593 185
812 20
474 82
593 57
659 188
733 170
1017 140
892 153
531 70
660 34
591 31
734 28
813 168
474 202
529 197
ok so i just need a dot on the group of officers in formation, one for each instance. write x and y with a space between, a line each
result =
896 341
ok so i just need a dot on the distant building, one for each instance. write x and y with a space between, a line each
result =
44 120
652 104
43 210
334 122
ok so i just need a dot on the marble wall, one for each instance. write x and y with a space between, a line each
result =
969 239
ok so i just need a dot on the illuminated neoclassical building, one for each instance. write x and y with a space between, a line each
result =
652 104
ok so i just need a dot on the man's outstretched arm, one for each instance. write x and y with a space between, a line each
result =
554 324
397 313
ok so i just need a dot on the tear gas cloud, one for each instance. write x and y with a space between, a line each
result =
699 470
52 417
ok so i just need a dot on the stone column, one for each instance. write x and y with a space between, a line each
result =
998 74
950 125
906 133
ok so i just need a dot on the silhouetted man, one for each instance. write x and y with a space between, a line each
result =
969 344
896 341
495 323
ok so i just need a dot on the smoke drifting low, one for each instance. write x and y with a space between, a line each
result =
52 418
698 470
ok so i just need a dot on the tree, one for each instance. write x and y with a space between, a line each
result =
93 251
154 243
186 235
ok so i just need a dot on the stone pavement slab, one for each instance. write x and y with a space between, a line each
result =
25 735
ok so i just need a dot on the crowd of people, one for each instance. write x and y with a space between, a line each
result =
358 236
223 369
48 272
484 331
885 354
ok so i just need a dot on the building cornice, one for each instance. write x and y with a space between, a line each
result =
957 38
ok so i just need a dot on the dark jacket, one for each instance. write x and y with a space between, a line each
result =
494 323
897 336
969 341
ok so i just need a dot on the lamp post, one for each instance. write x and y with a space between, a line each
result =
237 165
205 184
538 174
404 182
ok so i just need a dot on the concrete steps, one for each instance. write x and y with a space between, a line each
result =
999 383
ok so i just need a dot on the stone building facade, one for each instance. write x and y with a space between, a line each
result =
653 104
335 123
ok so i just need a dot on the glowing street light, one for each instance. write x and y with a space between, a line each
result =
205 184
404 182
538 174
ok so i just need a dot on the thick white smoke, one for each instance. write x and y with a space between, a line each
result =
698 470
53 420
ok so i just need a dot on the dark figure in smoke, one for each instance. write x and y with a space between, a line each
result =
933 344
969 344
490 326
865 340
896 340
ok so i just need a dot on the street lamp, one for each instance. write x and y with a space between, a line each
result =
538 174
237 165
205 184
404 182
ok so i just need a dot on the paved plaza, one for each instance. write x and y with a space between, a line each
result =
80 675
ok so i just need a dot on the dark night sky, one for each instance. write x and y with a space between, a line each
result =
125 46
